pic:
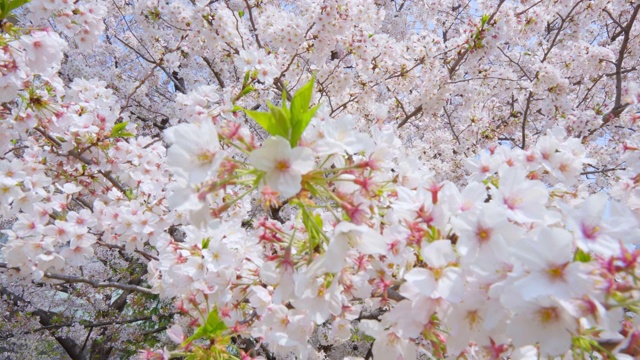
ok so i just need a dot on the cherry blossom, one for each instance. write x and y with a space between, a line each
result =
324 180
283 166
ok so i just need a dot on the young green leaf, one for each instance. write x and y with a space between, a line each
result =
300 113
281 118
211 329
245 81
291 122
484 20
129 194
3 9
119 131
284 97
16 4
245 91
302 98
205 243
300 124
581 256
264 119
7 6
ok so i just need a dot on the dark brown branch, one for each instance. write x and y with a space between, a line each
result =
529 8
415 112
451 124
623 48
89 325
622 27
584 98
525 115
178 85
69 279
97 284
563 20
147 256
253 24
601 171
215 73
45 319
343 105
461 56
516 63
405 72
618 106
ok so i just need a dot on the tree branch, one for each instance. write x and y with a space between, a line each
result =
46 319
618 107
97 284
215 73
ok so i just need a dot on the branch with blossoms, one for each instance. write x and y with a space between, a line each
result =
355 233
293 224
618 106
109 177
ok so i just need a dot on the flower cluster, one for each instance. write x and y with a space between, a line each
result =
307 179
512 262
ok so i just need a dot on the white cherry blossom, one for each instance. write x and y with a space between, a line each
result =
283 166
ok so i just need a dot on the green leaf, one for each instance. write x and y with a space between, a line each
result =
318 220
7 6
247 75
291 122
3 9
205 243
129 193
245 91
301 124
263 119
16 4
581 256
118 130
281 119
302 98
301 115
241 13
211 329
119 127
312 189
484 19
284 97
313 225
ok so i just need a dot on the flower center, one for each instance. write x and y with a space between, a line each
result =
205 157
283 165
473 318
590 232
548 314
483 234
557 272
